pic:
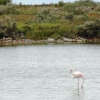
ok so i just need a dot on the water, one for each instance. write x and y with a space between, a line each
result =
41 72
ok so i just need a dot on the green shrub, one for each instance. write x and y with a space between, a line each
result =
4 2
8 10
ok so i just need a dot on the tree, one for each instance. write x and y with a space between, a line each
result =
61 3
4 2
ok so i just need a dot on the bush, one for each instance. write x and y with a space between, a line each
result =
69 7
45 15
69 16
90 29
8 10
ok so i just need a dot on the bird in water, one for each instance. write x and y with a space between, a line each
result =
77 75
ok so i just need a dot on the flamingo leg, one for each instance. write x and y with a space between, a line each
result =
78 82
82 82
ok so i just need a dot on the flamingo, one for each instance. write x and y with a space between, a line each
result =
78 75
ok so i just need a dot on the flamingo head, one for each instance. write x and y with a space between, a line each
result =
71 71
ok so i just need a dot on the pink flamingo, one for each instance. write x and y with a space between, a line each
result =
78 75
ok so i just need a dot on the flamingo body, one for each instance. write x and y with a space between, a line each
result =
77 75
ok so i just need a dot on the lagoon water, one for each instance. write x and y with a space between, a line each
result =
41 72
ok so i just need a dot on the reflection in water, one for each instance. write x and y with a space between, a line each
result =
78 94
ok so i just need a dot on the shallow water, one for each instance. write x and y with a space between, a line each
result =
41 72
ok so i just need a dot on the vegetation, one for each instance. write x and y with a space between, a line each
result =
39 22
4 2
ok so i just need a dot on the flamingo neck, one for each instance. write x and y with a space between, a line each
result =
72 73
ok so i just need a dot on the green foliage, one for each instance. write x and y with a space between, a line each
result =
56 5
69 16
79 7
2 32
78 11
69 7
61 3
7 28
8 10
87 3
43 31
4 2
11 10
81 17
90 29
45 15
54 20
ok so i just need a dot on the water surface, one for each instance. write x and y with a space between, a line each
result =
41 72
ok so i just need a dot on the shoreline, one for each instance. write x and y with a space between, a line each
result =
10 42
